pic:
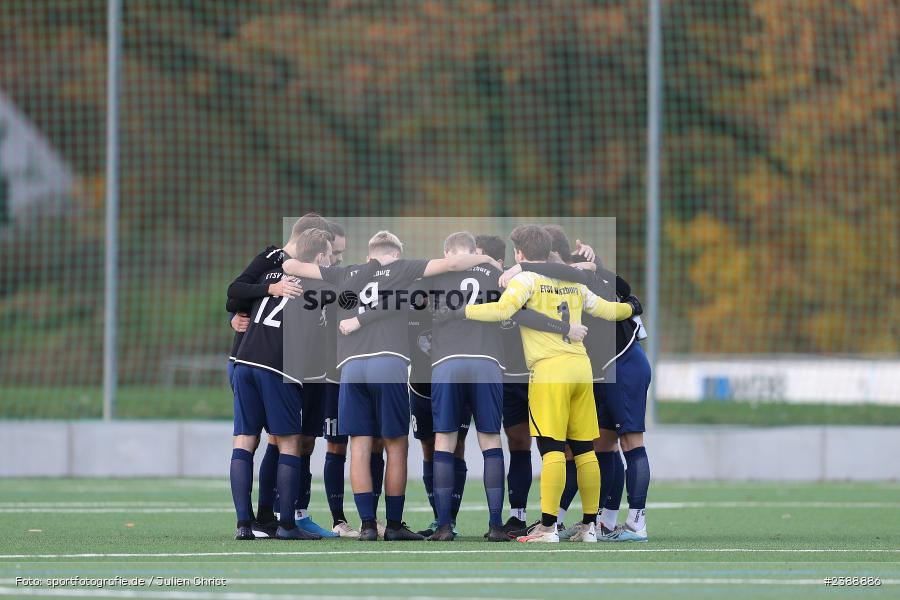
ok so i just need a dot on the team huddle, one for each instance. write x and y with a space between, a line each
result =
355 354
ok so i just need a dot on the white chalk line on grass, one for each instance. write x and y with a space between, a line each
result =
199 595
603 548
515 580
184 507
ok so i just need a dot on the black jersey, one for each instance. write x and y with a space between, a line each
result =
513 352
332 373
465 338
375 287
306 330
419 335
263 343
246 289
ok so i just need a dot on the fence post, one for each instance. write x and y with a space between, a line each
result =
654 125
110 309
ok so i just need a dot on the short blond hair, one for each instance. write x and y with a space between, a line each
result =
383 242
462 240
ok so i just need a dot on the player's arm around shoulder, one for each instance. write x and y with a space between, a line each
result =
518 291
596 306
294 267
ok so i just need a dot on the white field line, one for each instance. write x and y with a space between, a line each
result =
184 507
182 595
515 580
602 548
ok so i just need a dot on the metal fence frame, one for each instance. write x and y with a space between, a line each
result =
110 322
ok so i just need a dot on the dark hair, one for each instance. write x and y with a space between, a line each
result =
336 229
559 242
310 221
311 243
492 245
532 241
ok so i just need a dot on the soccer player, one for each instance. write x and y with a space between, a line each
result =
419 384
420 339
373 398
515 403
560 398
264 398
466 377
242 293
621 404
336 444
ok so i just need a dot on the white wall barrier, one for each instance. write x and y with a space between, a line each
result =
203 449
788 378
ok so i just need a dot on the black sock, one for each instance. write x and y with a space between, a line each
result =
288 487
548 520
242 484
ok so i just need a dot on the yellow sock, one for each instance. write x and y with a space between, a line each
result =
588 482
553 481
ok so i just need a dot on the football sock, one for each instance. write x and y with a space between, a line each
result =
242 484
519 482
267 469
588 475
571 486
443 485
288 478
393 506
459 486
607 473
334 485
614 499
637 480
608 518
377 466
493 484
553 481
428 479
305 489
365 506
636 519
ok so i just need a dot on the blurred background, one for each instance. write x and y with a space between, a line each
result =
778 162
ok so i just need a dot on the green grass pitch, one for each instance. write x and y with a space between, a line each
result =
752 540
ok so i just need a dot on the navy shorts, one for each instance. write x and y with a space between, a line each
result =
622 406
263 399
460 386
314 400
377 409
231 374
330 425
423 420
515 402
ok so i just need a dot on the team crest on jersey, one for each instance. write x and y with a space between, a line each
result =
507 324
424 342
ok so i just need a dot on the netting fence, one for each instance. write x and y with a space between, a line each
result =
780 172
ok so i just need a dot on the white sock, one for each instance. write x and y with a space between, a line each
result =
561 515
300 513
517 513
636 520
608 518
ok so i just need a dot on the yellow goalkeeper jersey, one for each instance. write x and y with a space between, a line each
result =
556 299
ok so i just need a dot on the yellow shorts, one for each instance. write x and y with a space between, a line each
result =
561 399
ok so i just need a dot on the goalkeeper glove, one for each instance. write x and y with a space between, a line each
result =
636 308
